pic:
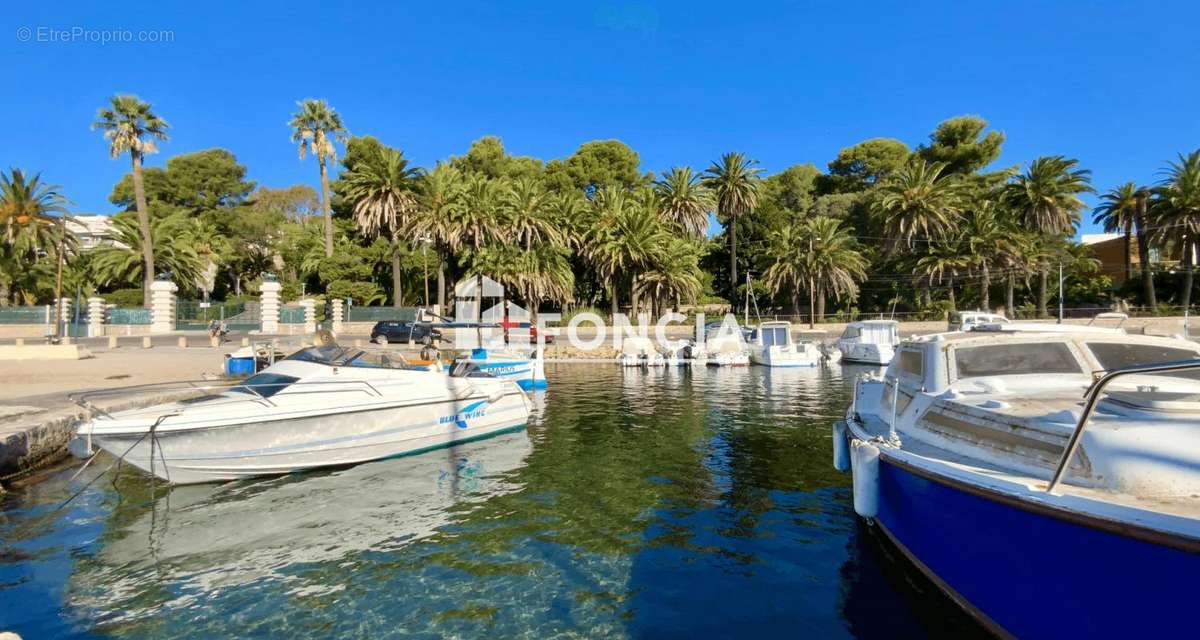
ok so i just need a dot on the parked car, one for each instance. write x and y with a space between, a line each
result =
392 331
967 320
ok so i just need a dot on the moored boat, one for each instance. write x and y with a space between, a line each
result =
869 341
321 406
1045 501
772 345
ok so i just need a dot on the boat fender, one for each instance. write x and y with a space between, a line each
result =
864 457
841 447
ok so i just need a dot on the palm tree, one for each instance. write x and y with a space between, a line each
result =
383 190
1177 204
1047 198
27 201
316 127
623 240
440 197
919 199
673 273
119 262
130 126
210 245
683 200
529 214
735 186
1117 211
989 240
944 261
819 255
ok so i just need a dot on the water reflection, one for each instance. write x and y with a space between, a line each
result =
639 503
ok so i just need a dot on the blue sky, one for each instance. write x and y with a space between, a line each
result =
1113 84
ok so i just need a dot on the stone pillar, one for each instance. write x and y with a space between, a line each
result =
95 308
338 316
270 306
310 314
65 310
162 306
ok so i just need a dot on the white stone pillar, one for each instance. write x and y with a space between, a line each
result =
270 306
64 306
310 314
336 310
162 306
95 317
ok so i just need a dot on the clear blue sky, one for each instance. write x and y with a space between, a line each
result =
1113 84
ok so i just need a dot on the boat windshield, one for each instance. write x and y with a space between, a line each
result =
1015 359
774 336
337 356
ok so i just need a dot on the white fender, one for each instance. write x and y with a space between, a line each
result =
865 459
841 447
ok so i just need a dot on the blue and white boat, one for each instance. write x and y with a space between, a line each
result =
1048 482
526 367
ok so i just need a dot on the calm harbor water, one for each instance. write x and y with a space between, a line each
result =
663 503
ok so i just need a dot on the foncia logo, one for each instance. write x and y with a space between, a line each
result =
489 319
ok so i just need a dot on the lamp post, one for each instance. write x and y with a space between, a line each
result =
425 241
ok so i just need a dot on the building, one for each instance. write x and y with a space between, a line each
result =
1109 249
93 230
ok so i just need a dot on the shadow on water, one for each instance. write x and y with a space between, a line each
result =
638 503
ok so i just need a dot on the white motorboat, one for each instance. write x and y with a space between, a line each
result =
675 352
322 406
726 347
696 353
771 345
869 341
1000 461
637 351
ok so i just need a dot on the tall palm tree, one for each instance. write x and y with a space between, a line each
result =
1117 212
1177 204
130 126
316 127
383 190
919 200
819 255
735 187
1046 196
683 200
623 241
211 246
943 262
440 196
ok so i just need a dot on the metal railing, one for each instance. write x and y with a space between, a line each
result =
1092 397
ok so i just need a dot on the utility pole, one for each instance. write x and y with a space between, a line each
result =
1060 293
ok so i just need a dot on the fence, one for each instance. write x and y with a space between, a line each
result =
27 315
128 315
291 315
377 314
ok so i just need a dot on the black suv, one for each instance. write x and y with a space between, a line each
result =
389 331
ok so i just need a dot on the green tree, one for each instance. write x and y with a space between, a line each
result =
383 191
1177 208
30 211
596 165
920 200
673 273
962 145
292 203
865 164
683 200
734 183
1046 196
131 127
441 196
120 263
1117 212
988 242
487 156
818 255
623 241
316 127
528 214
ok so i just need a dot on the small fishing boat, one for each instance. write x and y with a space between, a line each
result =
1046 481
869 341
524 365
771 345
322 406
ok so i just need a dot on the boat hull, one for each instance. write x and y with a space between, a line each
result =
772 357
269 447
867 353
1029 573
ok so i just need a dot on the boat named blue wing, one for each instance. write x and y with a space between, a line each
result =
954 449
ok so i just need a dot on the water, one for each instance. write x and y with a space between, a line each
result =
668 503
